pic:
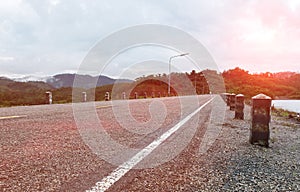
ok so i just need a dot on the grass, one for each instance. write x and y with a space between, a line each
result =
283 113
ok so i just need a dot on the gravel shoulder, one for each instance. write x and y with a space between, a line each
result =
236 165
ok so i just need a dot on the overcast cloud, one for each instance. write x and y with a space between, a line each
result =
50 37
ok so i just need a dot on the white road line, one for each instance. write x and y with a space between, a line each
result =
119 172
103 106
12 117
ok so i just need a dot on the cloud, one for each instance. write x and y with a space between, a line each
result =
4 58
259 35
53 36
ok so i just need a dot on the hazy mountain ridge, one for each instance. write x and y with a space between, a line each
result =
67 80
31 78
85 81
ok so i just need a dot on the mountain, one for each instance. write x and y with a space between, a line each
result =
30 78
4 81
9 84
84 81
67 80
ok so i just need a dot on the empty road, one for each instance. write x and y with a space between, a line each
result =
125 145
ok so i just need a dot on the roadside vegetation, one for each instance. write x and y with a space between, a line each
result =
284 85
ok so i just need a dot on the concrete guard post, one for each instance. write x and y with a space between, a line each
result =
83 96
135 95
107 96
227 99
123 95
158 94
260 113
232 101
48 97
153 95
239 106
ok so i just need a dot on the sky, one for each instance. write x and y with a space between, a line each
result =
43 38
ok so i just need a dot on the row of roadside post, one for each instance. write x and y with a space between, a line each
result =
136 95
260 115
49 99
106 96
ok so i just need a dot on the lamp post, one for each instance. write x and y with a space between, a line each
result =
169 83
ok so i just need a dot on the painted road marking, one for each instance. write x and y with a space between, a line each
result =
119 172
12 117
104 106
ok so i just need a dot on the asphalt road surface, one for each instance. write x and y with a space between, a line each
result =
125 145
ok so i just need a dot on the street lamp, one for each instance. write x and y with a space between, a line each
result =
169 84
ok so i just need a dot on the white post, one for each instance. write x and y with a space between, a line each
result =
84 96
49 97
107 96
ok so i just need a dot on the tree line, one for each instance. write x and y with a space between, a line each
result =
285 85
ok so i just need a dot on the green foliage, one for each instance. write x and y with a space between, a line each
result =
240 81
181 84
280 85
20 93
282 112
62 95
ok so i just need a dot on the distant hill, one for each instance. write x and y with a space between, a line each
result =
9 84
4 82
86 81
31 78
22 93
67 79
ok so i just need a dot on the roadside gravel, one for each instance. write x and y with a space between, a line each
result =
236 165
